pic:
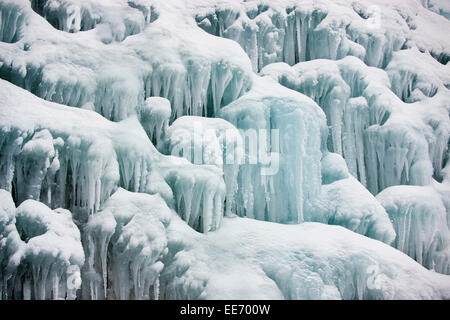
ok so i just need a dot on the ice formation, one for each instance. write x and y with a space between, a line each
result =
208 141
306 261
140 140
357 210
366 119
125 244
98 78
282 136
292 32
95 157
154 116
421 222
41 251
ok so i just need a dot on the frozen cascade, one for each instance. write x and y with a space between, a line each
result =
208 141
66 15
358 210
415 75
287 128
199 193
421 222
75 175
41 251
441 7
99 110
398 156
421 81
126 242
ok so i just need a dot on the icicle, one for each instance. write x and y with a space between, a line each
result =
420 220
154 117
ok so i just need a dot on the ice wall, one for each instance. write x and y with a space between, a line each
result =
439 6
284 31
199 194
12 21
291 33
154 115
126 18
151 214
415 75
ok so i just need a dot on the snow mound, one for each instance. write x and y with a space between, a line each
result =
126 242
306 261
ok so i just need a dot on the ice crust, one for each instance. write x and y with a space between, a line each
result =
140 140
